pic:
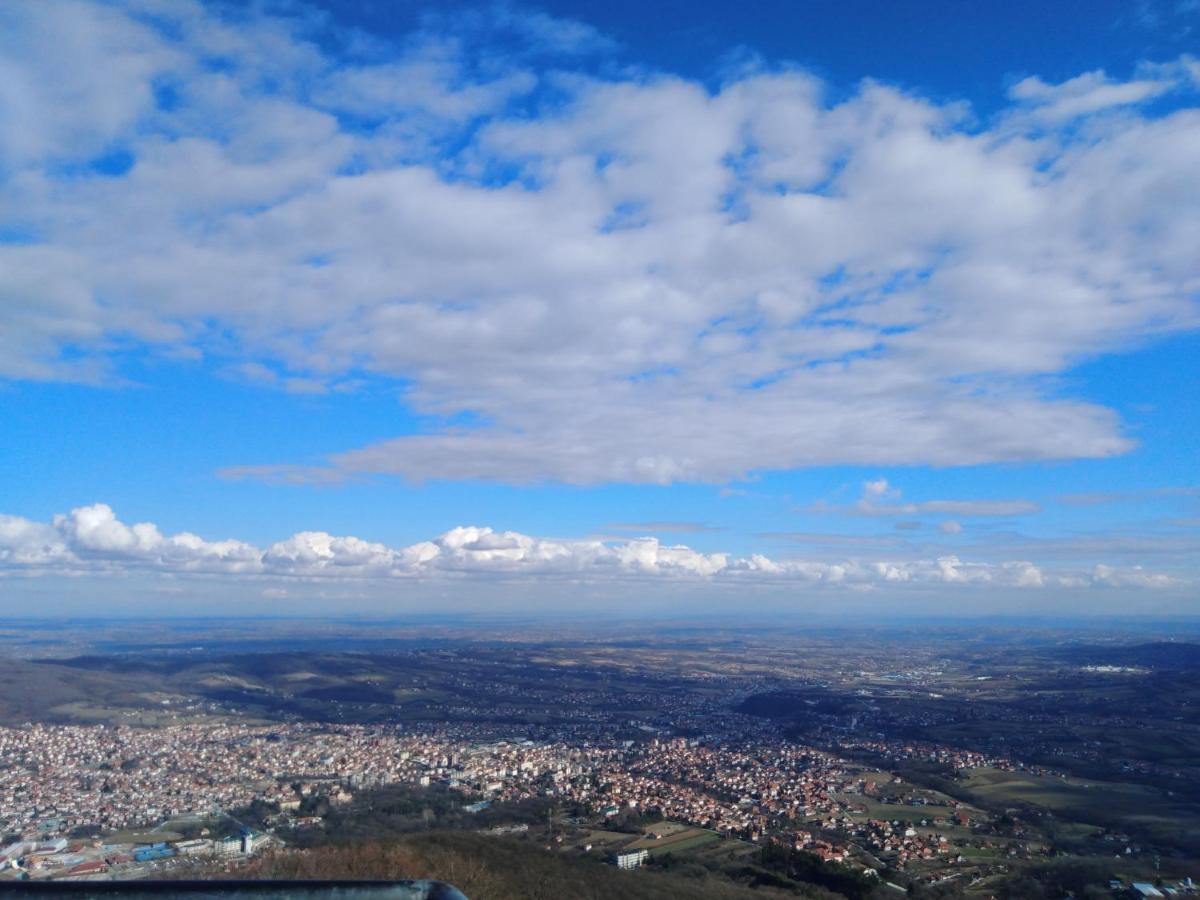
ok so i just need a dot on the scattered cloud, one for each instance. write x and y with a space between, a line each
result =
874 491
525 32
1084 95
1099 498
551 34
257 373
823 538
92 540
629 277
1171 16
284 474
950 526
660 527
879 489
1135 577
1173 550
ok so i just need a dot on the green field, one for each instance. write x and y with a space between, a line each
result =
143 837
691 842
893 812
1133 808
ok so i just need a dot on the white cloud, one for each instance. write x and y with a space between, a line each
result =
31 544
1135 577
94 534
643 280
92 540
950 526
969 507
550 34
878 488
64 106
95 529
1085 94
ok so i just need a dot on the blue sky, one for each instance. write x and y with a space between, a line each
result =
365 305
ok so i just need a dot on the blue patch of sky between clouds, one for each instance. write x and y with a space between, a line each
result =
745 322
112 163
16 234
654 374
629 215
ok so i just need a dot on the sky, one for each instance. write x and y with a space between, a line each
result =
805 308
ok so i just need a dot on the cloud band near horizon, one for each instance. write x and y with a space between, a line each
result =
91 540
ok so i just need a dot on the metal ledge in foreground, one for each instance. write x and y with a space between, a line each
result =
234 890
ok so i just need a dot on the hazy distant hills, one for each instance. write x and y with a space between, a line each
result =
470 684
1159 655
51 692
309 686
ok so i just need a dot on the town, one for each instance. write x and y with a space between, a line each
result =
892 759
87 802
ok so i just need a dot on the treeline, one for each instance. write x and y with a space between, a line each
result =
486 868
399 810
406 832
796 866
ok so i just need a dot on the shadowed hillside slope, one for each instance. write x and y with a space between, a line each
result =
493 869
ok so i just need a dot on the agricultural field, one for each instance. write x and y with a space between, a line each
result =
599 840
1130 808
892 812
674 839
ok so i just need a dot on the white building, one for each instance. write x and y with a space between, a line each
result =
631 859
197 847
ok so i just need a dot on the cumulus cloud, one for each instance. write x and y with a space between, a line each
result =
1135 577
95 534
627 277
93 540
